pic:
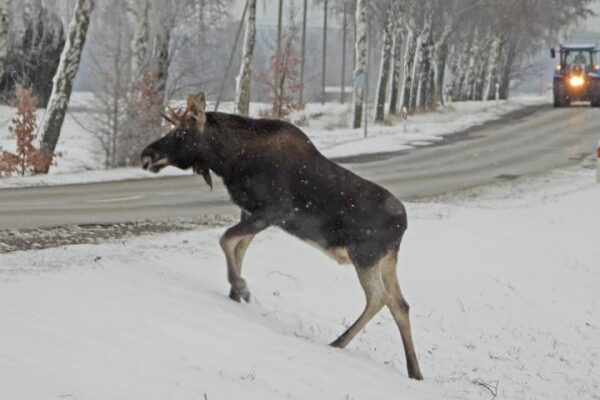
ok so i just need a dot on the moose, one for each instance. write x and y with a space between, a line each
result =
275 174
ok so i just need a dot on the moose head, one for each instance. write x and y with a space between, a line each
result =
184 145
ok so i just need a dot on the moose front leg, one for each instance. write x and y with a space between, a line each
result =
234 243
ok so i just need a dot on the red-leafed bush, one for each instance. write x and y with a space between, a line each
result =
27 159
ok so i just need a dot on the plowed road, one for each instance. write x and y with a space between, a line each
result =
532 141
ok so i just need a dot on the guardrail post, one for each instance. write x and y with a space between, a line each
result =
405 119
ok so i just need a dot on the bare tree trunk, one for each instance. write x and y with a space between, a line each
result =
244 80
470 75
455 63
507 69
303 51
360 69
384 70
415 73
162 61
426 59
230 61
409 60
493 68
396 70
139 44
459 93
64 77
276 71
324 66
4 30
442 59
483 65
344 40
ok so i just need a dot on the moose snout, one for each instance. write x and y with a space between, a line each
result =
147 158
153 161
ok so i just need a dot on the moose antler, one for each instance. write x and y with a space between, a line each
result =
175 118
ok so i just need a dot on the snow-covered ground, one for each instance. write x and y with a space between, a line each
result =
327 125
503 284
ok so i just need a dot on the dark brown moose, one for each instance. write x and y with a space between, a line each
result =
277 177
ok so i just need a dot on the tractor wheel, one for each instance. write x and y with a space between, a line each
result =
557 102
560 98
596 95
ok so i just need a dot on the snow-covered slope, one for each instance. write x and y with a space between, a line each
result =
503 288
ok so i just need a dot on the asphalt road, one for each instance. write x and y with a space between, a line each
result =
524 143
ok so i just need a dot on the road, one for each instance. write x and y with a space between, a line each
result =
518 145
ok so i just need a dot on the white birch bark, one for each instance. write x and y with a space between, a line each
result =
139 43
360 66
384 69
426 59
470 74
467 59
65 76
244 79
492 72
397 69
415 73
4 28
162 60
409 54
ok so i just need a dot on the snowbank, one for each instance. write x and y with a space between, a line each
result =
503 288
327 125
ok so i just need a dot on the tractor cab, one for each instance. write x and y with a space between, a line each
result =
577 76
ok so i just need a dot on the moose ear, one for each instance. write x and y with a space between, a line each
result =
197 107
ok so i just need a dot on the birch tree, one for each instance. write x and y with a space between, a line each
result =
244 79
141 39
65 75
397 68
426 75
360 66
4 29
386 61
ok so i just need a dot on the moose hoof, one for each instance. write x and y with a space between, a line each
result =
414 373
238 295
338 343
416 376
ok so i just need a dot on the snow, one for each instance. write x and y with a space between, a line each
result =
503 284
327 126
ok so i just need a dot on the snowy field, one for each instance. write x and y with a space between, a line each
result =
327 125
503 283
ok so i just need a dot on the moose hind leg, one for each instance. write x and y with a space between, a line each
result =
400 311
372 283
234 244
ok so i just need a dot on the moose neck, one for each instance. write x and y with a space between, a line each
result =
223 141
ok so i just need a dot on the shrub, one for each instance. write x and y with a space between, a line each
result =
27 159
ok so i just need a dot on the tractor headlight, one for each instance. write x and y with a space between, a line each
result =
576 81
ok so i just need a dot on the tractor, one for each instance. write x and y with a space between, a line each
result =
577 76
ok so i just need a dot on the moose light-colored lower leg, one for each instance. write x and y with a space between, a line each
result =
239 289
234 243
239 253
400 311
375 293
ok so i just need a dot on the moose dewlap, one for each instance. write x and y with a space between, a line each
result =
277 177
